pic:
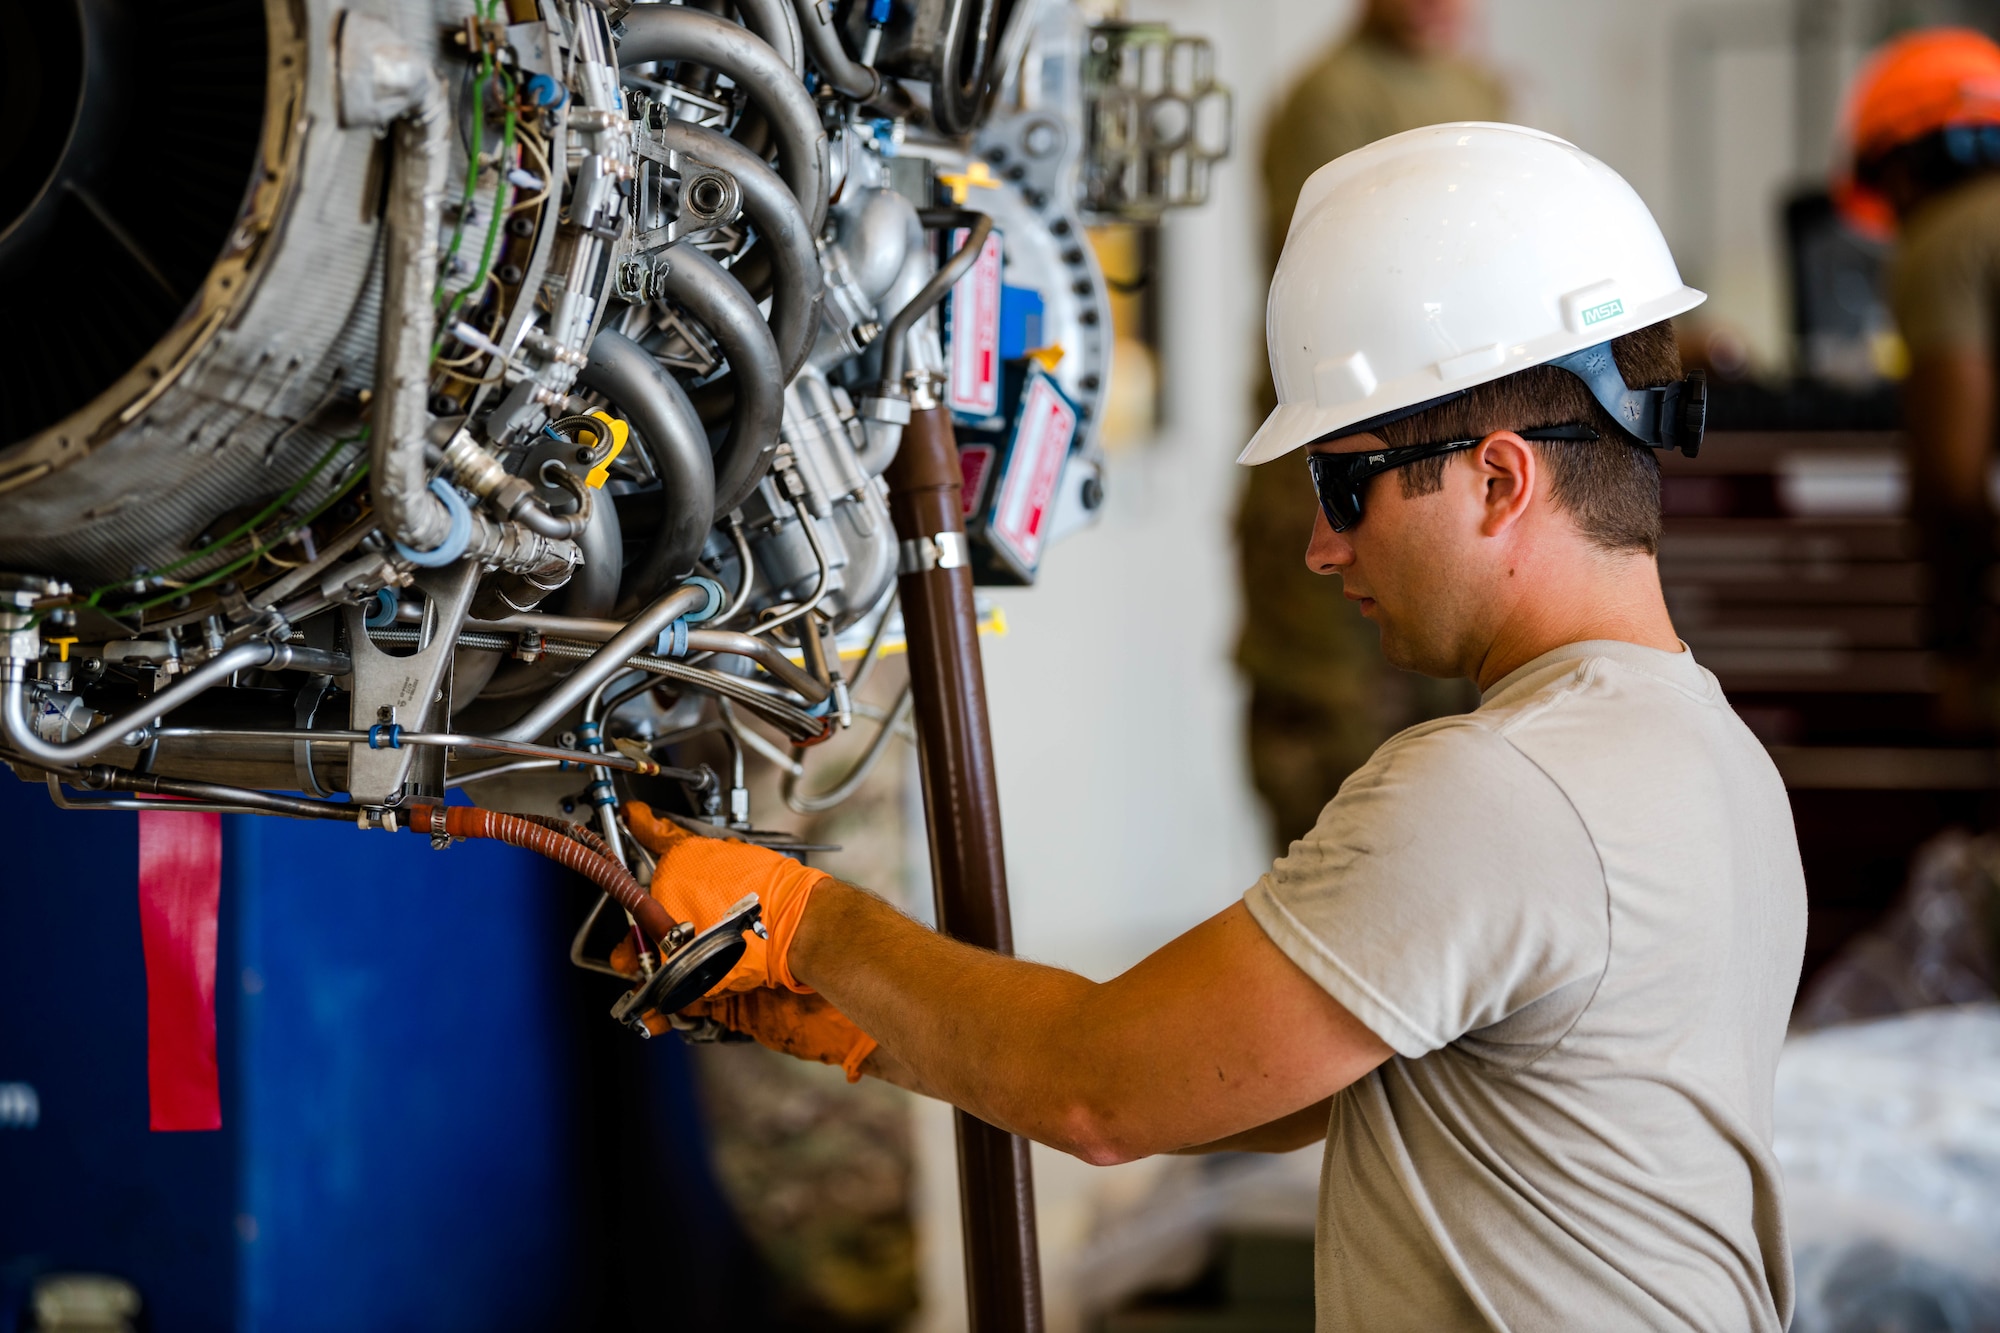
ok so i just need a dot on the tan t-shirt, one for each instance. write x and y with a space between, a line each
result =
1577 914
1944 286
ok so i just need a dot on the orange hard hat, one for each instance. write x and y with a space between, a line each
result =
1930 80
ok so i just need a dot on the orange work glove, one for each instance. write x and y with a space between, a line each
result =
806 1026
699 879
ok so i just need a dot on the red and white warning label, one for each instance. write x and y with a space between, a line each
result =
1026 502
973 387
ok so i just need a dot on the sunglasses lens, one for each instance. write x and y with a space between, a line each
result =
1339 498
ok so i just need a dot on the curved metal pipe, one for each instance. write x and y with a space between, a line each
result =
637 637
665 425
774 21
847 786
895 337
765 654
732 642
720 303
592 589
958 98
533 515
847 75
825 581
799 287
675 32
20 733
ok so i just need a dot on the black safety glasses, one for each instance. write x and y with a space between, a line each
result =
1340 479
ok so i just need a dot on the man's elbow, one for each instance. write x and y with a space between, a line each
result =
1099 1135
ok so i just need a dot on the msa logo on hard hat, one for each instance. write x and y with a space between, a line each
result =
1602 311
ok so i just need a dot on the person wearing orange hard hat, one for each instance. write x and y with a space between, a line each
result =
1922 162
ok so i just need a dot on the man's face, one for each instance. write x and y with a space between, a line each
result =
1422 27
1410 564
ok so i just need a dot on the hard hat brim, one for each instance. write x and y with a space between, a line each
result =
1294 425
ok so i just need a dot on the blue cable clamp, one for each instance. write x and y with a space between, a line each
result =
455 541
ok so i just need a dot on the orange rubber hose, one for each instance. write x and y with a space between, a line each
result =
466 821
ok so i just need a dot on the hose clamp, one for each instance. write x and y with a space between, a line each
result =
717 599
383 612
884 407
455 541
944 550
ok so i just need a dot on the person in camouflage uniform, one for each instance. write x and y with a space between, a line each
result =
1321 697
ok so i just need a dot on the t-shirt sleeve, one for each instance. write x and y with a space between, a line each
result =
1944 281
1449 885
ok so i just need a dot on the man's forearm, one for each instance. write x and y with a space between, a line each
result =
955 1022
1211 1036
1949 401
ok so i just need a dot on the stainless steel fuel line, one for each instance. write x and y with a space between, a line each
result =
20 731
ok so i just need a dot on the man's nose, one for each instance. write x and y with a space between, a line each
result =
1328 552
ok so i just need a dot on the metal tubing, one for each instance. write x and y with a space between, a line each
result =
721 304
637 637
778 26
962 810
770 702
761 651
797 287
20 732
895 338
450 739
808 524
847 75
676 32
667 428
535 516
764 653
104 778
878 745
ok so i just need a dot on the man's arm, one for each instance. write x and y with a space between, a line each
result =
1948 400
1287 1134
1215 1036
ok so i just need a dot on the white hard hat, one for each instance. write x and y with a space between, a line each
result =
1445 257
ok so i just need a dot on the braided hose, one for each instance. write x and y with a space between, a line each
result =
465 821
587 836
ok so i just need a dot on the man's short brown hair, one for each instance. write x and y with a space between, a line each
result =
1610 486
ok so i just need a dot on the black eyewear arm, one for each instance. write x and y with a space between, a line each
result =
1340 479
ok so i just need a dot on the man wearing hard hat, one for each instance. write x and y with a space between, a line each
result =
1528 976
1923 158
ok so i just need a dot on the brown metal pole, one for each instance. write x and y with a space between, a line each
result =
962 807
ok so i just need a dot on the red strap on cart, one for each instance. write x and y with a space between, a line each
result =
180 900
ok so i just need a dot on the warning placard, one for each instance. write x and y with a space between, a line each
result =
972 388
1027 488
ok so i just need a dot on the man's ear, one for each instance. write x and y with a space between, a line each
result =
1509 471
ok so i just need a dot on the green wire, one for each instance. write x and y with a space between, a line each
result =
257 551
250 524
241 530
492 223
478 143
